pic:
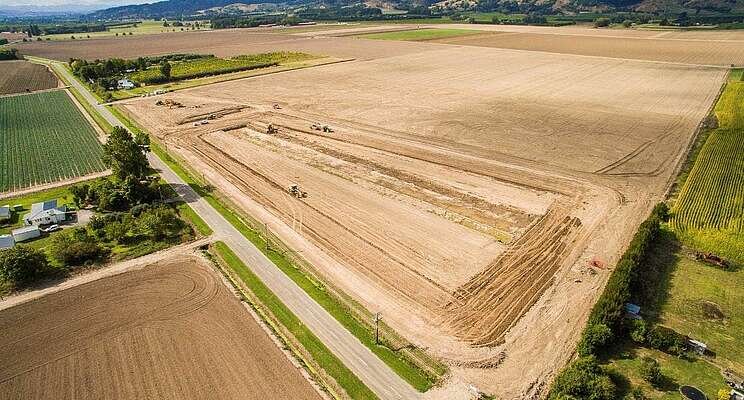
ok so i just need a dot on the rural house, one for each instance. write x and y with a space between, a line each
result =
4 213
45 213
6 242
124 84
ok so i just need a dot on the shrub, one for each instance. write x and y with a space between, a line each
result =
650 371
637 330
627 23
601 22
636 394
583 379
160 222
76 247
667 340
22 265
594 337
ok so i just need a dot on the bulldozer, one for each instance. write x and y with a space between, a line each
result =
295 191
327 129
271 129
277 107
319 127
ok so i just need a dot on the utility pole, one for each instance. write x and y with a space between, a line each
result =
378 318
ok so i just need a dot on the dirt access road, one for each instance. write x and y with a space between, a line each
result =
170 330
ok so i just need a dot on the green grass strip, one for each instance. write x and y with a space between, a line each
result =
196 221
354 387
412 374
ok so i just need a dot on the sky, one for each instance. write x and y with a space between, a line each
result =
72 5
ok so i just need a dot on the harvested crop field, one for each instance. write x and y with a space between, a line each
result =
463 190
170 330
23 76
686 51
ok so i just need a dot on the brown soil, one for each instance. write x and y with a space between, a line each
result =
22 76
222 43
170 330
686 51
463 191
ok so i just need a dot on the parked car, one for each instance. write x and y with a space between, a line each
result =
52 228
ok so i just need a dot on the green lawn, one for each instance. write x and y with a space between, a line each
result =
678 372
419 34
355 388
45 139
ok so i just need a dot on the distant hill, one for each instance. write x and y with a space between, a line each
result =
173 8
181 8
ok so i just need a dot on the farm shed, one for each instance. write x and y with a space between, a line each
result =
6 242
45 213
26 233
4 213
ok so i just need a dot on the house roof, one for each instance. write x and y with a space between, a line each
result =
25 229
45 205
48 207
4 211
6 241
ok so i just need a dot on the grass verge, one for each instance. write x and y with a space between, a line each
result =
355 388
194 219
407 369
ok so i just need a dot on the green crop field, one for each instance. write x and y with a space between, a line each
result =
709 212
44 139
419 34
215 66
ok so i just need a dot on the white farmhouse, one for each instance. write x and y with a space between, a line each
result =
45 213
124 84
6 242
26 233
4 213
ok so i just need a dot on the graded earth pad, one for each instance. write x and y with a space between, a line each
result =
169 331
460 191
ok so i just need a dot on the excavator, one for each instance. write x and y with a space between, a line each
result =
295 191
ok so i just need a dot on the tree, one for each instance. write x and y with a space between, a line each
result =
124 156
627 23
650 371
165 69
638 330
21 265
76 247
594 337
160 222
583 379
724 394
601 22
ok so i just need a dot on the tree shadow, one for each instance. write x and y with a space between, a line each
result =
654 287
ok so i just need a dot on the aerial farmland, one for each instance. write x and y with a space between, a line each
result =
462 191
455 199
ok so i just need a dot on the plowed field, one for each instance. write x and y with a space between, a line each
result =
171 330
23 76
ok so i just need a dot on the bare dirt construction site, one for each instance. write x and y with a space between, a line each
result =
170 330
462 191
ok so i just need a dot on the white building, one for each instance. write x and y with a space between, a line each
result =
26 233
45 213
6 242
4 213
124 84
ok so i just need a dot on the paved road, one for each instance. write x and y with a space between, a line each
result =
358 358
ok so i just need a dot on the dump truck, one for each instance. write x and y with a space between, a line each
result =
271 129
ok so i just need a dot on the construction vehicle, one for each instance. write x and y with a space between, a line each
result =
270 130
315 127
277 107
295 191
169 103
319 127
327 129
